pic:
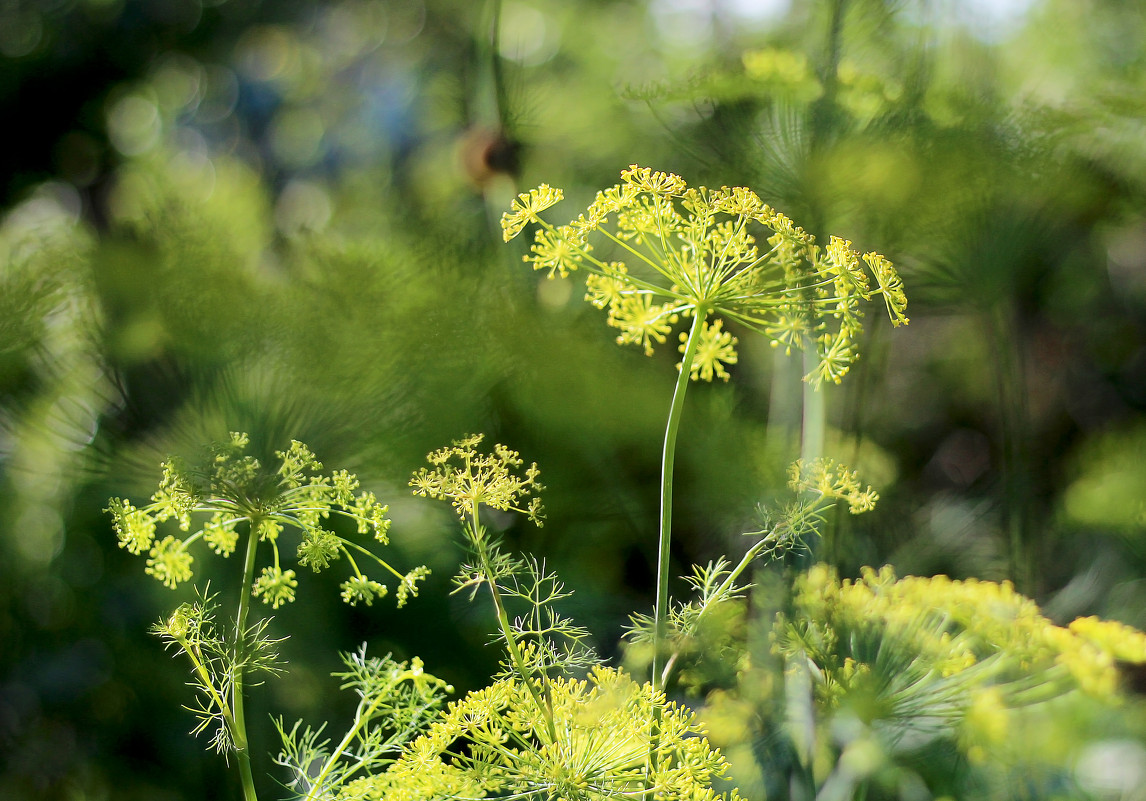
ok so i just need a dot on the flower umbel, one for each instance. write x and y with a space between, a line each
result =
721 252
468 479
495 743
239 495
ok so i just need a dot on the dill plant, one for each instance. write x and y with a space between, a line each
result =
707 256
880 669
232 502
537 731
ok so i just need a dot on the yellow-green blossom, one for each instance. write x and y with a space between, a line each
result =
468 479
275 586
715 349
169 562
832 480
240 496
526 208
360 588
134 528
700 252
939 649
495 741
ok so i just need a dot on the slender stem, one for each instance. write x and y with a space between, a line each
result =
507 630
660 613
239 733
206 682
362 716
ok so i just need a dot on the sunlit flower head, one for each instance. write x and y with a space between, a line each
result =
710 253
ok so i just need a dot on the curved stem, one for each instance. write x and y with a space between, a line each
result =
239 734
668 455
362 716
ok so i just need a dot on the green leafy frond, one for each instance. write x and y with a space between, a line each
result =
396 703
217 660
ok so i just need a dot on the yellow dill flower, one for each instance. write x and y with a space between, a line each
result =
495 741
891 287
656 183
715 349
241 496
134 528
169 562
701 252
560 250
641 321
938 653
832 480
526 207
1123 642
607 288
468 479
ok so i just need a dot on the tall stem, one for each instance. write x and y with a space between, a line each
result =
239 734
660 614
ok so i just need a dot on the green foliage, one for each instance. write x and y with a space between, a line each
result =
396 701
221 663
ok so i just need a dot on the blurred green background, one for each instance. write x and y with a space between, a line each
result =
281 218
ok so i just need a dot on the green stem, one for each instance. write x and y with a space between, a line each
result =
362 717
664 551
668 455
206 682
507 630
239 733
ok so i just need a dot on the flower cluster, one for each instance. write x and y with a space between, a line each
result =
235 492
832 481
937 651
468 479
495 742
695 252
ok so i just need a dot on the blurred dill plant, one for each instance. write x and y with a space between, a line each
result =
896 665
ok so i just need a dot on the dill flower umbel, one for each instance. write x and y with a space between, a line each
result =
236 492
495 742
698 252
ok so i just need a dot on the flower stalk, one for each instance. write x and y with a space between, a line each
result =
237 718
714 255
668 459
